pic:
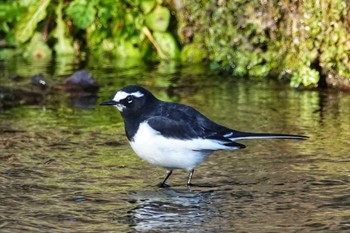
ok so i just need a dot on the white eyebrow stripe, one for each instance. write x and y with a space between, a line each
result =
122 95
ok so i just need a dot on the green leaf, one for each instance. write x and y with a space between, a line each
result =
305 76
193 53
125 49
158 19
37 49
10 12
7 53
259 71
82 13
168 44
27 25
63 44
147 5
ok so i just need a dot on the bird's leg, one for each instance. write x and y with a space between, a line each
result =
190 174
163 184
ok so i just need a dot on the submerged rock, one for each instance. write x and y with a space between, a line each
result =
81 87
40 81
81 81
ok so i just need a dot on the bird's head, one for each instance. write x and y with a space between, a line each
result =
131 100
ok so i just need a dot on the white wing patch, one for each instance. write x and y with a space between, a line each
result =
228 135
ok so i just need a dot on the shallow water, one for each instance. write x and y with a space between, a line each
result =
66 165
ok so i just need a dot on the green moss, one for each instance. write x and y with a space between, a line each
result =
263 37
193 53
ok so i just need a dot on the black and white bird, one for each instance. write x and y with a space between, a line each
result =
172 135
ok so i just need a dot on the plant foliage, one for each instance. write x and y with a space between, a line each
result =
305 41
98 26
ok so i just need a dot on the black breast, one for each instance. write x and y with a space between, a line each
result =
131 128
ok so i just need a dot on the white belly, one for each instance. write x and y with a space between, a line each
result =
171 153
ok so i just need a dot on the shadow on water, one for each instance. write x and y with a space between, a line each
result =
68 168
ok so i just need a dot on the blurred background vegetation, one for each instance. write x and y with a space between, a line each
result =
304 42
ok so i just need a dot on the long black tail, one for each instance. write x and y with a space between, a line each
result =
237 135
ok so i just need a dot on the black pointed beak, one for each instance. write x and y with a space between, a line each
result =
109 102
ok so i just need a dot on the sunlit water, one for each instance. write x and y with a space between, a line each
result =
70 169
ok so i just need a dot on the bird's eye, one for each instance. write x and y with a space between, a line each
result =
129 99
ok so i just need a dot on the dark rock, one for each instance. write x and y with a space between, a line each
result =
339 82
39 80
81 81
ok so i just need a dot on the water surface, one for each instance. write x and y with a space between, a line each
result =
67 167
